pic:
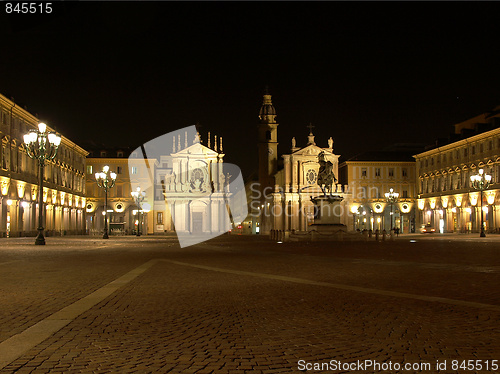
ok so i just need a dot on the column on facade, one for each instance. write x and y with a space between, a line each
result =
214 214
287 171
300 214
299 178
295 172
3 215
494 214
20 219
14 218
294 213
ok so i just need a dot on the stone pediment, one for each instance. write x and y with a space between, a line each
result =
311 150
195 149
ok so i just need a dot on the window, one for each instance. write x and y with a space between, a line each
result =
490 145
404 172
118 170
311 176
432 160
159 218
391 172
89 169
377 172
119 154
473 150
134 170
103 153
363 172
481 148
465 152
405 194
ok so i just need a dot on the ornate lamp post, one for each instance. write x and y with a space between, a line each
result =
481 182
391 198
42 146
139 198
105 180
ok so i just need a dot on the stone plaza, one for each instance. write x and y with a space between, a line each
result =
245 304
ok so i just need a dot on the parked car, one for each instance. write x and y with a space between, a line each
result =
427 229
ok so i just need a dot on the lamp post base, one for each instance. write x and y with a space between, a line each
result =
40 240
105 236
483 234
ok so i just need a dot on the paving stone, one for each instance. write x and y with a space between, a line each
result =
183 319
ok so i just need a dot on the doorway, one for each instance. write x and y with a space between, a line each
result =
197 222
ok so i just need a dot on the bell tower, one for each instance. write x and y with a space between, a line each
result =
268 143
268 160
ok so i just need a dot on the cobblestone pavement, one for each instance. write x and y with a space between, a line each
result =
240 304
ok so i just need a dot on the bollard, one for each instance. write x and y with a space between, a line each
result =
384 233
377 232
370 232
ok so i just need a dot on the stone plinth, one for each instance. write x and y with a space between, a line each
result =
328 211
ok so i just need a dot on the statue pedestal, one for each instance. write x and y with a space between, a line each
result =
327 215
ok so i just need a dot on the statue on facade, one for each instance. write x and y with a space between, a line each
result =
326 177
294 142
330 143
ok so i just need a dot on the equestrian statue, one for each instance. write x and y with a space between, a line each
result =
326 177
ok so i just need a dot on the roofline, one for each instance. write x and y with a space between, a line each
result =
460 142
377 162
35 121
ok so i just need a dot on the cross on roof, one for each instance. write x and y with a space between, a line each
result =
310 127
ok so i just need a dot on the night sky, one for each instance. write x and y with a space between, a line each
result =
367 74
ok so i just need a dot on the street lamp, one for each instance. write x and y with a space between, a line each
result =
138 196
481 182
42 146
391 198
106 180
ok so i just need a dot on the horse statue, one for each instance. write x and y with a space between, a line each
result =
326 177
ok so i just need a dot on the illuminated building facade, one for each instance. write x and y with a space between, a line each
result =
369 177
282 200
446 197
179 185
123 213
192 188
64 187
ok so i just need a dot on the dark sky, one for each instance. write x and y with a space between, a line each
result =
367 74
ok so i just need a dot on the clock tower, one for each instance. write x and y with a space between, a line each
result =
268 157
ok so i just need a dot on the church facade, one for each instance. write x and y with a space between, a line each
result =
185 181
285 194
192 185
